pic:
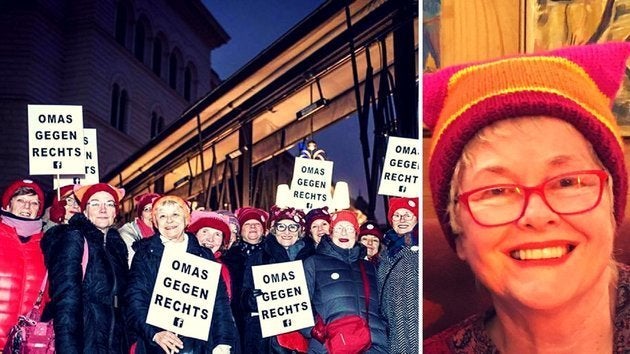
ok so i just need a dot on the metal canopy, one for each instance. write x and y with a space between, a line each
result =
267 92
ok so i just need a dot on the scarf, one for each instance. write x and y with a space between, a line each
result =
225 274
23 227
395 242
145 230
248 248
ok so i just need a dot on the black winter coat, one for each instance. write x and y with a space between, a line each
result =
270 253
87 312
143 273
335 286
234 259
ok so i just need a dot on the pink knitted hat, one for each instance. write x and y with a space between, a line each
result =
576 84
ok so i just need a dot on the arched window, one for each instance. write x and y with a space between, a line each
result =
187 83
121 23
172 71
118 112
157 124
138 41
157 56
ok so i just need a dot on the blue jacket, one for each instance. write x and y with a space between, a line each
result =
271 252
335 286
87 312
143 273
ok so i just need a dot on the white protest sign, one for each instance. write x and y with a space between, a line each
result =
284 305
310 186
183 297
401 170
55 138
90 175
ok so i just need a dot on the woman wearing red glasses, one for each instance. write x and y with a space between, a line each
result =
528 179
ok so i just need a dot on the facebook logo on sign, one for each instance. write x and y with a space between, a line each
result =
286 323
178 322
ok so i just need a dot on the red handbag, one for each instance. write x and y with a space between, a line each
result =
348 335
29 335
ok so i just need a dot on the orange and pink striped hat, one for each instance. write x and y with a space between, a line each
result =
577 84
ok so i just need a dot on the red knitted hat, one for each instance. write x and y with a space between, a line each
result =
143 200
83 193
201 219
370 228
64 192
345 215
576 84
249 213
410 204
170 198
27 183
316 214
276 214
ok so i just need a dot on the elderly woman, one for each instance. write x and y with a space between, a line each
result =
141 226
398 276
21 260
252 225
64 205
317 224
370 236
171 216
528 178
286 242
235 227
86 303
213 232
342 285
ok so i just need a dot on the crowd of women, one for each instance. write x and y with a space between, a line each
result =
97 276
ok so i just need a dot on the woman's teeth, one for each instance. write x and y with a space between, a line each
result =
541 253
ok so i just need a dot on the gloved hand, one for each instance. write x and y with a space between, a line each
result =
319 330
251 305
58 211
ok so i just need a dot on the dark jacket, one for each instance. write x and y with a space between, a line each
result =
143 273
87 312
335 286
271 252
235 259
398 276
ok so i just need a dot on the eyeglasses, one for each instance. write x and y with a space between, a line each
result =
23 202
404 217
569 193
96 204
284 227
341 230
71 201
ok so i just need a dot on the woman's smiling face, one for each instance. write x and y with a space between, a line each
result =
543 259
170 220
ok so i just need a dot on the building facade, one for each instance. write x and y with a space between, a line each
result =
134 66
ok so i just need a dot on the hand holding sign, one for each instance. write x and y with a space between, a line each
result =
168 341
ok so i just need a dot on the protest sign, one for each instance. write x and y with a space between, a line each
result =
90 175
55 137
183 297
401 170
285 305
310 186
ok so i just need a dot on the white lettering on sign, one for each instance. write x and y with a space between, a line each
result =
55 138
401 171
284 305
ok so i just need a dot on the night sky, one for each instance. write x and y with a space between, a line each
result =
254 25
